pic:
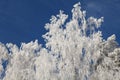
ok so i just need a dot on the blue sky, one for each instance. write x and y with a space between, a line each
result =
24 20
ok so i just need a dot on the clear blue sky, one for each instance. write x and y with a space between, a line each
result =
24 20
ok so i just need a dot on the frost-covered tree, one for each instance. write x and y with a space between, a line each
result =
75 50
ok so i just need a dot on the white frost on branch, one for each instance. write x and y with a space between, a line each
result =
75 50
